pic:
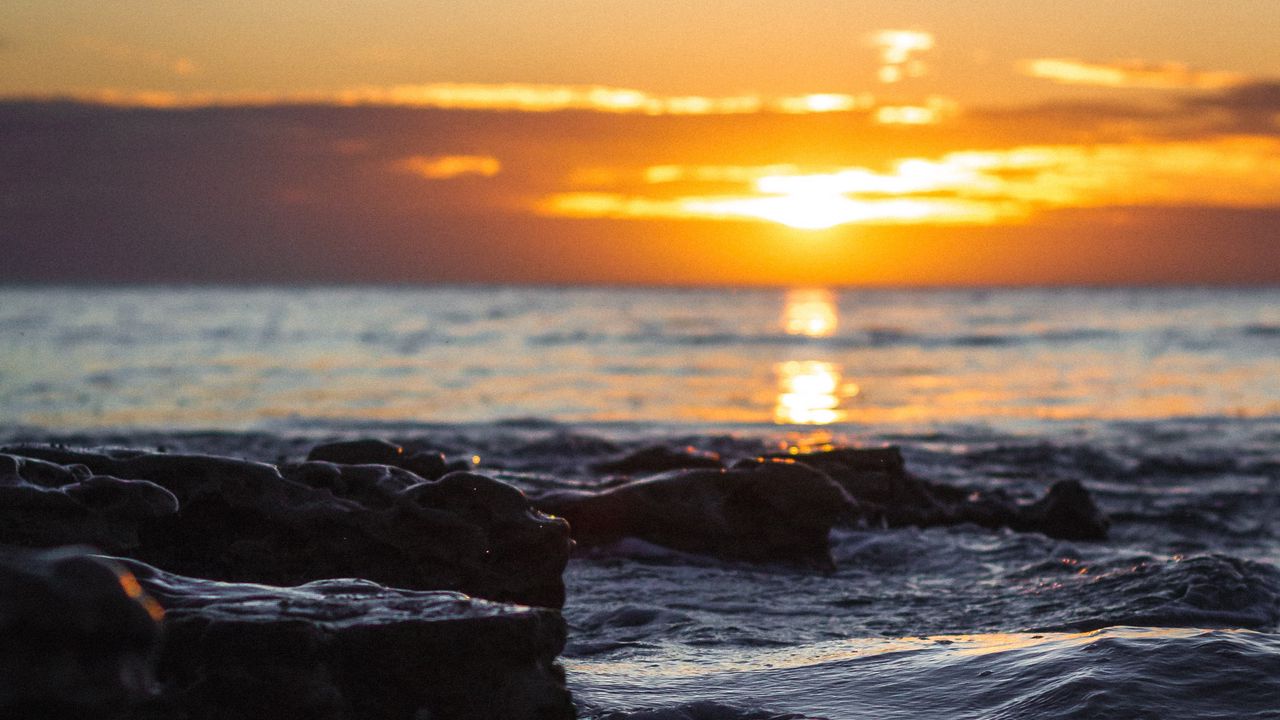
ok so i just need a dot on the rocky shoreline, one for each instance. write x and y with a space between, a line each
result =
371 581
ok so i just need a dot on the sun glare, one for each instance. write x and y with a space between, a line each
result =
965 187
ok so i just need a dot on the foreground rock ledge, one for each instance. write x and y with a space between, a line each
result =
78 638
241 521
82 639
339 649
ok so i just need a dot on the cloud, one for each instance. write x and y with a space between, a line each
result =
1129 74
307 193
898 51
1256 98
933 111
968 187
445 167
503 97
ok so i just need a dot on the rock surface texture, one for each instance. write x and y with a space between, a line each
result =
886 494
241 521
79 637
780 508
759 511
351 650
82 639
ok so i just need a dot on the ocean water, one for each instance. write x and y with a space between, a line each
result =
1164 403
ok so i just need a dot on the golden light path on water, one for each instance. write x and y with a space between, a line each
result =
810 391
934 649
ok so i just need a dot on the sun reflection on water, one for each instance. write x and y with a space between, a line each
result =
810 390
811 313
809 393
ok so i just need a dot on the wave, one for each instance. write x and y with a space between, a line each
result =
864 338
1210 591
1120 672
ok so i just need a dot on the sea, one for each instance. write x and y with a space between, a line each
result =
1163 402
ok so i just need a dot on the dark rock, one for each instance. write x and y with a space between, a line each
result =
430 465
42 503
886 494
657 459
358 452
243 521
1066 512
763 512
351 650
425 464
79 636
883 460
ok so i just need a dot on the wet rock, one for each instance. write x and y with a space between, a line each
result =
886 494
79 636
43 503
424 464
358 452
1066 512
886 460
657 459
241 521
351 650
770 511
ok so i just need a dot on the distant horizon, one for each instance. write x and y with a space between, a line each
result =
533 285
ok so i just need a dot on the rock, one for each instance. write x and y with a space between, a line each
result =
886 494
240 521
79 635
1066 512
358 452
43 504
657 459
772 511
351 650
427 465
882 460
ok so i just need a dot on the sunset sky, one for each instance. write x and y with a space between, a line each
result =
803 142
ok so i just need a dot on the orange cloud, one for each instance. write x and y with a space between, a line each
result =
898 51
1130 74
972 187
824 102
505 97
934 111
460 96
444 167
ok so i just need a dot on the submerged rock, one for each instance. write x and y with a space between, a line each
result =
79 635
240 521
886 494
770 511
1066 512
351 650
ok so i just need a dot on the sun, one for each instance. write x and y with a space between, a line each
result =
805 210
820 201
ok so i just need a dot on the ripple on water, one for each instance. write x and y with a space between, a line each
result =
1115 673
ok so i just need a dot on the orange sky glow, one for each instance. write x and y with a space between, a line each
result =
731 142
